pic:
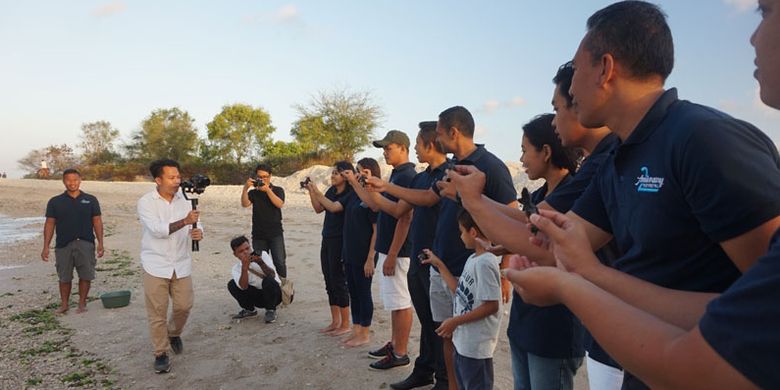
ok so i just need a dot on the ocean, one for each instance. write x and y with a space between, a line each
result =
18 229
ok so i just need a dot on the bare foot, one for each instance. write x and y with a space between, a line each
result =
357 341
61 310
81 309
329 328
339 331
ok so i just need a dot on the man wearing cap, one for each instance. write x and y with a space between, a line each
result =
76 217
393 252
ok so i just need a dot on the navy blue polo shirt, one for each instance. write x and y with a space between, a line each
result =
358 228
562 200
742 324
498 187
334 222
402 175
551 332
423 228
73 217
687 178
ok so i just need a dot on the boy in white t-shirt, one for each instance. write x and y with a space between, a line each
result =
255 281
476 317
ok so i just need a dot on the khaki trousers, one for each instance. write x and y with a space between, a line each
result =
156 292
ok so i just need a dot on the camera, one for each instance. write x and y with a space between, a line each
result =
196 184
422 257
305 182
258 182
529 207
362 180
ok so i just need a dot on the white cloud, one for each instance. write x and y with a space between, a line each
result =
491 105
518 101
109 9
741 5
480 131
287 13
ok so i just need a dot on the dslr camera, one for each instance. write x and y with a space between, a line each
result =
305 182
422 257
196 184
258 182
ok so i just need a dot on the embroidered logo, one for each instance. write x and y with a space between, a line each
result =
84 201
645 183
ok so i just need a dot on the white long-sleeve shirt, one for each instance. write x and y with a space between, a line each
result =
162 254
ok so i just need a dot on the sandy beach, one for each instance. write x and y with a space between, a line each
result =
111 347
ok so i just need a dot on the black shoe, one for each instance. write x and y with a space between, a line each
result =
412 381
270 316
162 364
244 314
176 344
390 361
381 352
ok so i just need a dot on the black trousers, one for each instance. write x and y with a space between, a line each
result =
275 247
431 359
269 297
333 271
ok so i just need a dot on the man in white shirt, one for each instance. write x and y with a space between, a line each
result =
255 281
166 218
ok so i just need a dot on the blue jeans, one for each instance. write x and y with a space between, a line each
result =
275 247
539 373
359 285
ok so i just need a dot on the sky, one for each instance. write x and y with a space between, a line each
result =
64 63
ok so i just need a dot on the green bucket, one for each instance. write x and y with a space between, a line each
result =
115 299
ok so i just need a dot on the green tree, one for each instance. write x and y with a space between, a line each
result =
97 142
239 133
338 123
58 158
166 133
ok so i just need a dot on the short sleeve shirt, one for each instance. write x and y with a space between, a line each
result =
252 279
498 187
742 324
687 178
266 218
423 228
402 176
479 282
359 222
551 332
73 217
334 222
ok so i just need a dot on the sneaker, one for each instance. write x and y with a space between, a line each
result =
390 361
162 364
414 380
270 316
176 344
244 314
381 352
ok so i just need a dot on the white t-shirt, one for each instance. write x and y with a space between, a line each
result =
479 282
254 280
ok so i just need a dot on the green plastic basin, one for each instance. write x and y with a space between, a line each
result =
115 299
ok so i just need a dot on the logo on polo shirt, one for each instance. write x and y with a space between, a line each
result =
646 183
84 201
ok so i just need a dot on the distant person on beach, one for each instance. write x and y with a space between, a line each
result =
422 231
166 218
266 200
331 259
76 217
255 282
359 238
393 252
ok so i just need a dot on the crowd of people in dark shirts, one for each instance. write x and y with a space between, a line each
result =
647 257
651 251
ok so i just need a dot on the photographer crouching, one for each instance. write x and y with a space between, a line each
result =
255 282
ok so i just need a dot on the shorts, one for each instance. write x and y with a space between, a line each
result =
394 289
77 254
441 298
